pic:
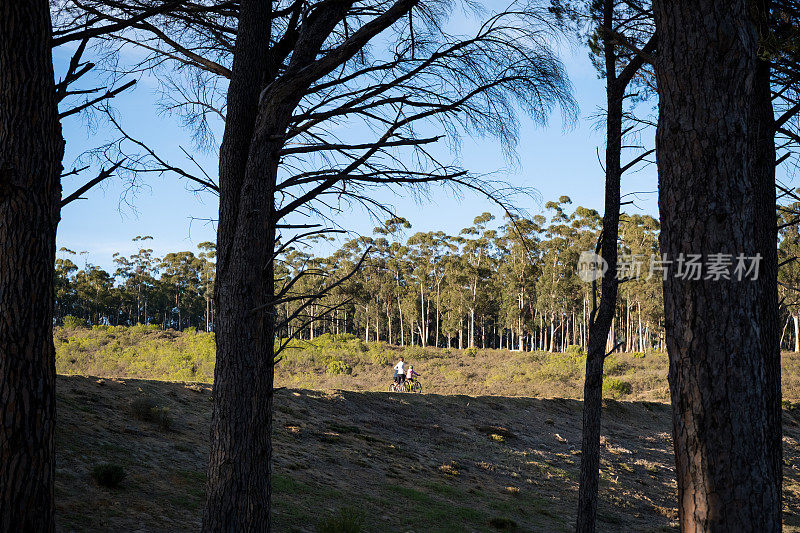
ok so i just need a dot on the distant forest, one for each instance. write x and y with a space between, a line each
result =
497 284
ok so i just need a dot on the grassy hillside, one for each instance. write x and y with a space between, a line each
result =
348 363
131 452
398 461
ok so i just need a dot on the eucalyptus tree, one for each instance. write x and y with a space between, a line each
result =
477 243
181 272
518 244
587 225
641 291
789 272
64 285
455 296
139 272
556 269
427 251
208 252
525 256
397 270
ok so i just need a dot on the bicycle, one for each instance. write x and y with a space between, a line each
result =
396 387
412 386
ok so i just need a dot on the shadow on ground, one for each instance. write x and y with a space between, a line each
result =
407 462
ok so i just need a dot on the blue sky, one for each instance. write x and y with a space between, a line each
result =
555 160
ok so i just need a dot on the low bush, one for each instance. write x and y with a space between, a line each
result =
503 524
73 322
108 475
614 367
471 351
379 357
338 367
146 410
616 387
420 353
576 349
562 368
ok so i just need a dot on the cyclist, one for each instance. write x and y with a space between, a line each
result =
410 374
400 372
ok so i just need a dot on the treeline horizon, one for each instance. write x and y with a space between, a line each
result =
496 284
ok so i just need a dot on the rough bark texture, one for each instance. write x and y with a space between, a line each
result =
602 320
601 323
31 149
260 107
766 229
716 331
238 490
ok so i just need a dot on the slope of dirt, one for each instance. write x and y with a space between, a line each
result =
408 462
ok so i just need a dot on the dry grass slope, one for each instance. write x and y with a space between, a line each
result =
405 462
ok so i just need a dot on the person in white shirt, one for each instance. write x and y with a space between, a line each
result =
400 371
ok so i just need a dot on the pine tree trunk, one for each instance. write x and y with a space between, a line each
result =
710 199
766 235
31 149
796 320
604 317
238 489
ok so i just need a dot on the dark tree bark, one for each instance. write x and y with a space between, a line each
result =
238 490
710 199
600 321
239 471
31 149
602 316
766 228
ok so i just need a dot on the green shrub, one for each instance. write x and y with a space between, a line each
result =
537 357
146 410
576 349
338 367
379 357
343 337
638 355
347 520
136 352
503 524
616 387
615 367
108 475
471 351
419 353
562 367
73 322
